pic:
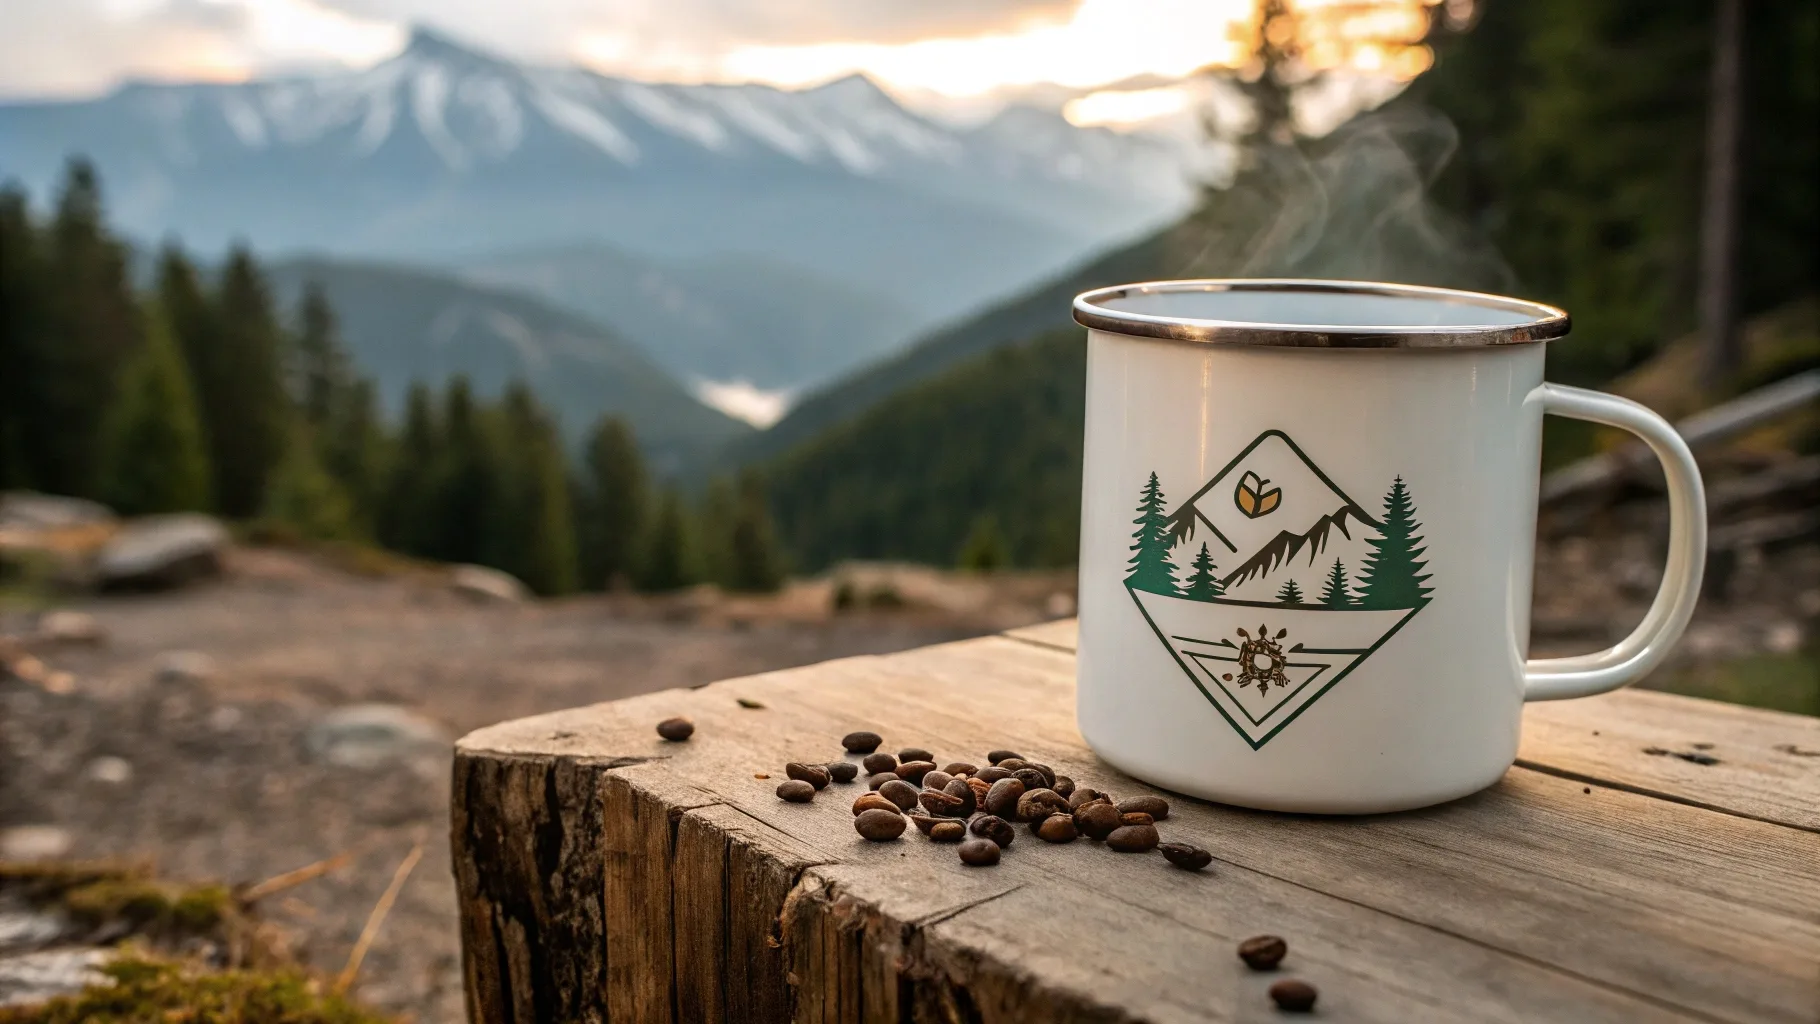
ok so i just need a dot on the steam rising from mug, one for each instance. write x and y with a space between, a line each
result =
1352 205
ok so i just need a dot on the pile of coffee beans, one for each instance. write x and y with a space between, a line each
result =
978 808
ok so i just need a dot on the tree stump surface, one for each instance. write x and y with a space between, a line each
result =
607 875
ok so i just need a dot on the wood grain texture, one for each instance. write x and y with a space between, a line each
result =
1768 761
1534 900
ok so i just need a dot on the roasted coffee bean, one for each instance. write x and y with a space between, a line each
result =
880 779
1013 763
899 792
923 822
979 853
914 754
913 771
1083 795
980 788
1133 838
1031 778
1136 818
814 774
796 791
1293 996
991 773
1057 828
676 729
1002 798
1263 952
869 801
879 825
861 742
1048 774
1003 755
936 779
958 768
842 771
1097 820
876 763
958 789
940 804
1188 858
1037 804
1063 785
1155 806
948 831
993 827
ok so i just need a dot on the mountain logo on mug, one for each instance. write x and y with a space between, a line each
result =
1290 532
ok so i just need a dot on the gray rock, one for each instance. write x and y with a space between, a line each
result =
29 510
34 842
184 667
69 627
368 736
35 977
22 928
488 585
113 771
162 551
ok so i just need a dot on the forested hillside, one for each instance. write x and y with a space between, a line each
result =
1554 152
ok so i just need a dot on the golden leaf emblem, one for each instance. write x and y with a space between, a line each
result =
1253 500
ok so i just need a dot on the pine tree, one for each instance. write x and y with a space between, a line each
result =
616 498
322 369
407 519
93 326
669 561
984 549
1204 584
238 370
353 447
22 337
531 526
1290 594
153 459
460 513
1392 574
1151 569
302 498
1336 593
756 564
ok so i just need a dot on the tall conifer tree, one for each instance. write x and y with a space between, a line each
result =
1392 575
1151 569
22 337
153 459
1204 583
1337 593
239 379
616 499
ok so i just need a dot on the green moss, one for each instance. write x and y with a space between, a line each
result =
95 894
145 989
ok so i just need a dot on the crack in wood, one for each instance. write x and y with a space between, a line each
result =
1658 794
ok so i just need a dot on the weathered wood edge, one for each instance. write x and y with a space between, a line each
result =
1768 766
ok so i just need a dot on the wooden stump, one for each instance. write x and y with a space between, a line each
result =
608 875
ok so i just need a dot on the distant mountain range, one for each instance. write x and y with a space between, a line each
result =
403 325
727 317
443 154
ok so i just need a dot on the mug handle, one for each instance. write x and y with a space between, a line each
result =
1586 674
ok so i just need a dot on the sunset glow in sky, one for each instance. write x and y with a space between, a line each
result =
932 48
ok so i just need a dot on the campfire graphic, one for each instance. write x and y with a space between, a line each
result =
1288 532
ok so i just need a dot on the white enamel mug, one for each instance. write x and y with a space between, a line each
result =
1307 529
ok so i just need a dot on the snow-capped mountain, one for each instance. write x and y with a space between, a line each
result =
443 150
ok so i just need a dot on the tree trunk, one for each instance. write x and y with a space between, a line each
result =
1719 219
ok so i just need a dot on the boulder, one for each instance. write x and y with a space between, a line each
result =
488 585
371 735
162 551
28 510
44 974
34 842
69 627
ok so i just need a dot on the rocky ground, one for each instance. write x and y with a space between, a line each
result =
294 711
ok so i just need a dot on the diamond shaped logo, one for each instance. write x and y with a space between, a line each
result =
1289 584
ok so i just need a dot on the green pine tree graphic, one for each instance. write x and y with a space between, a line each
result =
1290 594
1203 585
1336 594
1151 569
1392 575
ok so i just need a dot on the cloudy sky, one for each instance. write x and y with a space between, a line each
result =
955 48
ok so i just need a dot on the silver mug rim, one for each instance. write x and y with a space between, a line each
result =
1545 322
